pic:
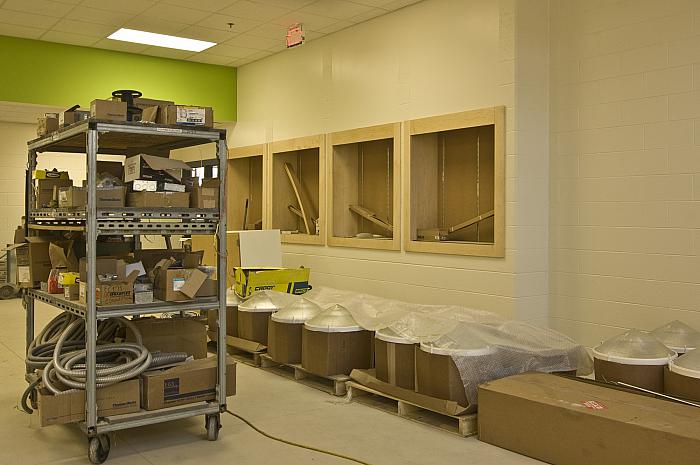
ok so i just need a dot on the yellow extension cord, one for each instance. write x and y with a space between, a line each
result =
295 444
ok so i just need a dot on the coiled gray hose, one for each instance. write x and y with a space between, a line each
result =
117 362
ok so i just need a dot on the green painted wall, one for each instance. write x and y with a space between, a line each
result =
48 73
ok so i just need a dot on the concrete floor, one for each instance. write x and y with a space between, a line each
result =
277 405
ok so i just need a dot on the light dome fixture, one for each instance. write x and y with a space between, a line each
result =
160 40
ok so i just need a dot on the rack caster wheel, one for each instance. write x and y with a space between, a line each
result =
213 425
98 449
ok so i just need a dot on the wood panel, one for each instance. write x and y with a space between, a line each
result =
441 173
307 156
364 168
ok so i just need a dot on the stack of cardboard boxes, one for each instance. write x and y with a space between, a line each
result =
178 384
115 110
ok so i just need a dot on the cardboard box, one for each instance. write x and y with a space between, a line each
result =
172 335
46 124
189 115
140 185
190 382
108 110
69 407
231 320
50 174
151 257
103 266
143 297
46 188
71 116
253 326
153 168
368 378
562 420
289 280
109 292
158 199
645 376
71 292
115 168
178 284
438 376
206 195
111 197
149 104
72 197
37 258
681 386
284 341
327 354
395 363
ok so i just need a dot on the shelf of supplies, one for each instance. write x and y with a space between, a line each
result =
364 187
110 311
126 138
119 221
150 417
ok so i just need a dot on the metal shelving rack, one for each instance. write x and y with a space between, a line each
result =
96 136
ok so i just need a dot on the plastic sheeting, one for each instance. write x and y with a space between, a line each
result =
514 346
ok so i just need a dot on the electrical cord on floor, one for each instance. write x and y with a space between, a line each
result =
295 444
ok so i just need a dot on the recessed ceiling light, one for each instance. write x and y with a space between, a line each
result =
160 40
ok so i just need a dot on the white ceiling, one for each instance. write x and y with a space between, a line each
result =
258 30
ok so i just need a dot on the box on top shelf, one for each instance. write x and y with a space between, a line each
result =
109 110
153 110
72 115
46 124
46 191
189 115
151 257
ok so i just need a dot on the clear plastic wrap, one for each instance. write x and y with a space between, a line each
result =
509 347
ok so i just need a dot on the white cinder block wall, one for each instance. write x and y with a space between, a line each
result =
625 165
431 58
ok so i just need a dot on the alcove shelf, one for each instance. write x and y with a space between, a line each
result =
246 188
297 194
454 171
364 187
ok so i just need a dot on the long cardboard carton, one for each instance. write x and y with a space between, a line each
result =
562 420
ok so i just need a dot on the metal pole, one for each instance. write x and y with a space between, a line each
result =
91 311
29 309
222 272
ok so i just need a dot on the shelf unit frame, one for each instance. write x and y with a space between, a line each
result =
355 136
128 139
292 145
468 119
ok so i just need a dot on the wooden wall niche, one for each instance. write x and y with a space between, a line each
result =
246 182
455 170
364 172
298 189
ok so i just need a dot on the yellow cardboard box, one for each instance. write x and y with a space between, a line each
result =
289 280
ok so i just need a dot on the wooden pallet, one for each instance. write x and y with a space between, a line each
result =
334 384
249 358
462 425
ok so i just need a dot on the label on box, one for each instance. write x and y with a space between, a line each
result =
23 274
171 388
172 187
208 203
140 185
178 283
191 115
63 196
143 297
